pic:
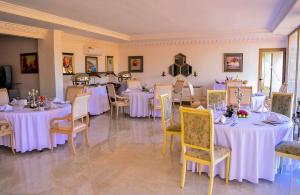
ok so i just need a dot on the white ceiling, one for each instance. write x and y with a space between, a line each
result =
154 17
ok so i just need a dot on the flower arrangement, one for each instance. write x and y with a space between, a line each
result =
242 114
42 100
229 111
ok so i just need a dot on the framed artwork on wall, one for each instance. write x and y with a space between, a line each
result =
91 64
233 62
135 64
68 63
29 63
109 67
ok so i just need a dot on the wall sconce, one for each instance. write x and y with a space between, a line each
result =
195 74
163 74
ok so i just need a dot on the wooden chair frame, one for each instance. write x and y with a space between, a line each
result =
7 130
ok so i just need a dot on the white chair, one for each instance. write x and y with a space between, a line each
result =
73 91
77 121
4 99
177 91
195 101
116 100
159 89
134 84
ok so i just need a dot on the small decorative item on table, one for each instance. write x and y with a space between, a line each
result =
243 114
238 95
32 98
42 100
229 111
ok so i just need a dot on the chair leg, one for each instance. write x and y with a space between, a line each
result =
227 168
86 137
200 168
183 171
171 143
117 112
281 164
51 140
12 143
70 141
165 143
111 110
211 179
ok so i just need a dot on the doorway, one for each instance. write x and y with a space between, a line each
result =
271 73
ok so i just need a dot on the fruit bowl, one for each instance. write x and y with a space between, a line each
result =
242 114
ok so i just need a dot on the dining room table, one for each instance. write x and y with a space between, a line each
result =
98 101
32 126
252 143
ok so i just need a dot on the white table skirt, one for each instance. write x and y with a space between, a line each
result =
252 146
31 128
257 101
219 86
98 102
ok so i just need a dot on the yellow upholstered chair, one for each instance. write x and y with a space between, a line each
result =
134 84
77 121
282 103
288 149
234 83
4 99
197 139
246 99
195 101
7 130
159 89
177 91
169 126
116 100
216 97
73 91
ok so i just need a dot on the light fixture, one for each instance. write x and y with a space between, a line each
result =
195 74
163 74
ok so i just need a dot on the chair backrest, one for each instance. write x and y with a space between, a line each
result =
72 91
234 83
111 92
283 88
160 89
166 110
178 87
80 106
197 129
246 99
4 99
282 103
134 84
191 88
215 97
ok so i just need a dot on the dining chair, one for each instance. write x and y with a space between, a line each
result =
246 98
282 103
234 83
71 124
116 100
73 91
4 98
134 84
177 91
283 88
159 89
169 126
288 149
216 97
7 130
197 140
195 101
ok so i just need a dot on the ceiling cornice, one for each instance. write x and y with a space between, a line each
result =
22 30
46 17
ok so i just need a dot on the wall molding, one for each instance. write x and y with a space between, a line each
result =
22 30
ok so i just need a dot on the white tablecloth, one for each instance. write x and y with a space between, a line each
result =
257 101
98 102
31 128
218 86
252 146
139 103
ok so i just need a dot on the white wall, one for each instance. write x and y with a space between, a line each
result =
76 44
10 49
205 58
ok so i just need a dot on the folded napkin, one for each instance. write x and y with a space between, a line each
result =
14 102
200 108
5 108
220 119
262 108
275 118
259 94
57 100
51 105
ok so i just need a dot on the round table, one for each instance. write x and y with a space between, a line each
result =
31 128
252 146
98 102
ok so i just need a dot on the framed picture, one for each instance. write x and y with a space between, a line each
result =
233 62
135 63
29 63
109 64
68 63
91 64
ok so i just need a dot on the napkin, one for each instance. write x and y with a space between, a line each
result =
6 108
127 90
200 108
259 94
14 102
57 100
262 108
220 119
273 117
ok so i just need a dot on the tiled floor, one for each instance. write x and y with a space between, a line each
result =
124 158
